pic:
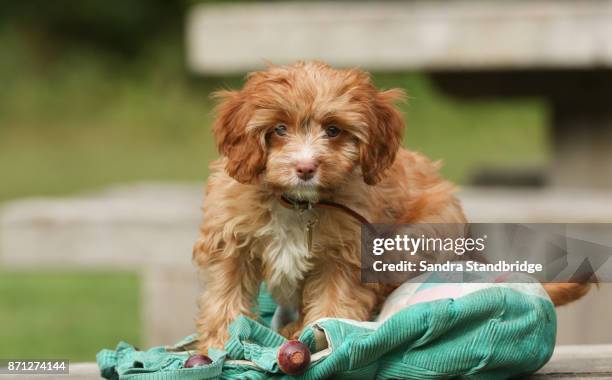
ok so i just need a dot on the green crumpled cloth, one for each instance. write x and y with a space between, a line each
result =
493 333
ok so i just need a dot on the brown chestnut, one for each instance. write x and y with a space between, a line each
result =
293 357
197 360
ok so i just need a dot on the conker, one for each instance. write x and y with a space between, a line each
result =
293 357
197 360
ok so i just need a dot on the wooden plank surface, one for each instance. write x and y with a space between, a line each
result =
124 227
451 35
154 225
578 362
568 362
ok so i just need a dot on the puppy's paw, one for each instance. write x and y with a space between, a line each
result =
292 330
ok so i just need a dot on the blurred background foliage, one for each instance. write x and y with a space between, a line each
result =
96 92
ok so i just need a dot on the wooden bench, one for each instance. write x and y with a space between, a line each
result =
555 49
568 362
150 229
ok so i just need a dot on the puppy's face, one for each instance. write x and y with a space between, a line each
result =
306 129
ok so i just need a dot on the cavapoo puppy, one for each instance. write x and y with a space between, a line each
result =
306 133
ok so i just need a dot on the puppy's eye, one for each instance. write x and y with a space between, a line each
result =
281 130
332 131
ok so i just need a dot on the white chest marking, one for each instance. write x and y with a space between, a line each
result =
286 257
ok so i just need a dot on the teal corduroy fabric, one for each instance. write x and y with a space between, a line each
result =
493 333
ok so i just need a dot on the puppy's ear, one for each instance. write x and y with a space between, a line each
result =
246 156
385 136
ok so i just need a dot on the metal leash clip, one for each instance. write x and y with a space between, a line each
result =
309 218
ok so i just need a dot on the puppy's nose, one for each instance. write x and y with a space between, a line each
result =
306 169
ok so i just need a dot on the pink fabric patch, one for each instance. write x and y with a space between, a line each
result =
435 293
503 277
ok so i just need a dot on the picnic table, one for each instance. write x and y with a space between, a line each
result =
557 50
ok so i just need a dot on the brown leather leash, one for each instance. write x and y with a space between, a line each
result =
305 205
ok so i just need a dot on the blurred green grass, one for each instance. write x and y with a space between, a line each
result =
84 120
76 119
67 315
